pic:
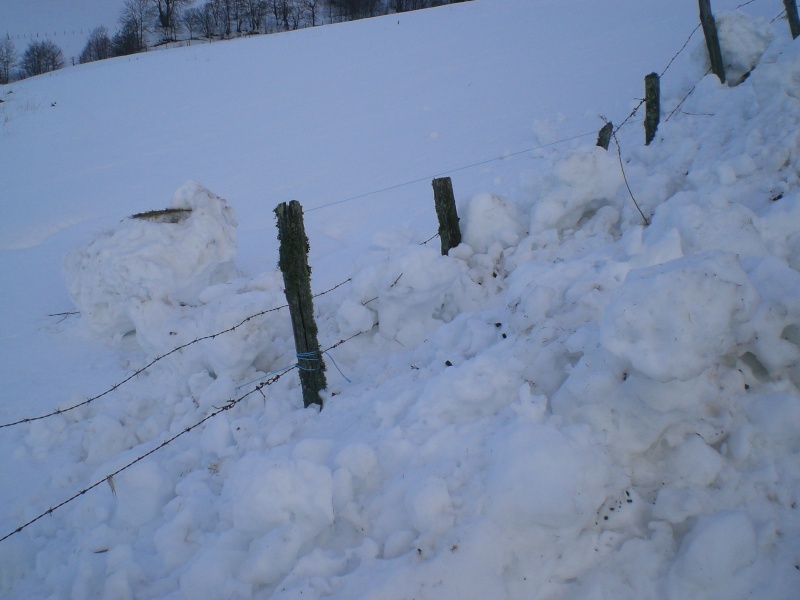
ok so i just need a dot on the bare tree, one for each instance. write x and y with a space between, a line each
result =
42 57
126 41
8 58
288 13
256 12
225 12
169 15
137 16
311 7
208 20
192 19
98 46
354 9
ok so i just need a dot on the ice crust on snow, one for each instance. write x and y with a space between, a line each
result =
569 405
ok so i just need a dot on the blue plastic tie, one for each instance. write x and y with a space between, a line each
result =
337 367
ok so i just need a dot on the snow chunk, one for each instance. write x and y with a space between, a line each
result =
742 39
266 493
712 556
129 276
583 183
542 477
142 492
430 507
674 321
487 218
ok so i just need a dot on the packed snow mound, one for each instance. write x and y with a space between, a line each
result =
569 405
152 262
742 39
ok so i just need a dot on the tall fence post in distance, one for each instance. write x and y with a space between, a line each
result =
712 40
652 100
293 263
604 135
791 16
449 231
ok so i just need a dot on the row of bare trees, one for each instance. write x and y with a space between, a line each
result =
144 22
226 18
39 57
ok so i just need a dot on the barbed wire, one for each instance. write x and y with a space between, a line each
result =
781 14
110 477
450 171
689 93
226 407
663 72
625 178
138 372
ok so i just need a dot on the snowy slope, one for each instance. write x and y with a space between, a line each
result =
570 405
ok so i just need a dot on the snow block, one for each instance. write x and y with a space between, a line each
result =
673 321
133 275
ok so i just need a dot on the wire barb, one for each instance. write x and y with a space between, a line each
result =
116 386
110 477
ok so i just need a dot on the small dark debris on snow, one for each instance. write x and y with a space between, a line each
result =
448 363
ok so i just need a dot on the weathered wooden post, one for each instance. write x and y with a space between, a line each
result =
449 231
652 99
604 136
293 263
791 16
712 40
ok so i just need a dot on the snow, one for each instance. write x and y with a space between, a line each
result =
570 405
160 266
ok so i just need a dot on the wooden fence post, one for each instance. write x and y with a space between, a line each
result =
791 16
604 136
652 99
712 41
293 263
449 231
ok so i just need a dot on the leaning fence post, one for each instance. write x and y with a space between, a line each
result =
652 99
449 231
712 40
791 16
293 263
604 135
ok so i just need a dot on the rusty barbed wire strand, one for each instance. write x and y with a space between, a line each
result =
663 72
138 372
108 478
229 405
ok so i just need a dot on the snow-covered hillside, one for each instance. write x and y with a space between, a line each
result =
569 405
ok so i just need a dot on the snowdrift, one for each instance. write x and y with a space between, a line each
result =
570 405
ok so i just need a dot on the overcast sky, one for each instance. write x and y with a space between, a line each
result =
66 22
